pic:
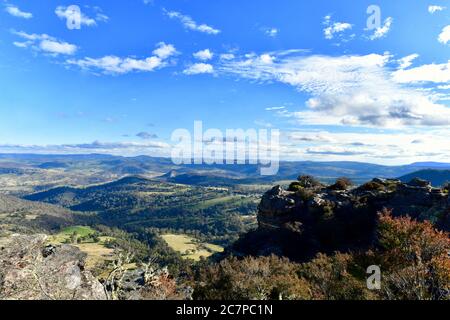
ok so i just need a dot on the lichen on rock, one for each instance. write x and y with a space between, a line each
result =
31 270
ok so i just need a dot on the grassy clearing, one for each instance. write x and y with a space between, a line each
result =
65 234
97 252
189 247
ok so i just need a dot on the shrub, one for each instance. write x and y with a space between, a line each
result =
330 279
295 186
306 181
341 184
262 278
415 259
446 187
305 194
372 186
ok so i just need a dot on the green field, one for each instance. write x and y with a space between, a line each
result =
65 234
189 247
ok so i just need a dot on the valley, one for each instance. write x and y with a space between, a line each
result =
135 211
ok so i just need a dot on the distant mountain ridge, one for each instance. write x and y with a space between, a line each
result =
436 177
202 174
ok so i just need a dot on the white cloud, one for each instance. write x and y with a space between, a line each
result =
434 8
65 14
45 43
271 32
227 56
199 68
117 148
275 108
204 55
114 64
165 51
378 147
350 90
406 62
444 36
57 47
16 12
382 31
20 44
333 28
117 65
438 73
266 58
190 24
263 123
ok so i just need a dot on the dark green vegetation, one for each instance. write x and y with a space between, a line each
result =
22 216
136 203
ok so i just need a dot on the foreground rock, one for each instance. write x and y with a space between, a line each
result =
31 270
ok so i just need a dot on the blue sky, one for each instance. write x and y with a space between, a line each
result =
137 70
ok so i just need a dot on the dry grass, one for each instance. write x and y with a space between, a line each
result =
189 247
97 254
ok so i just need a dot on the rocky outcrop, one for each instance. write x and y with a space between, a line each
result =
304 221
416 198
276 206
32 270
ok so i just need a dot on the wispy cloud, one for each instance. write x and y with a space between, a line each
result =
395 147
275 108
117 65
434 8
406 62
146 135
44 43
270 32
382 31
16 12
190 24
120 148
334 28
346 89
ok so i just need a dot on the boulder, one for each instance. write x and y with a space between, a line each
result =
32 270
420 183
276 202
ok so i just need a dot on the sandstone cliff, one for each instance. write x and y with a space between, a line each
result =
310 218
